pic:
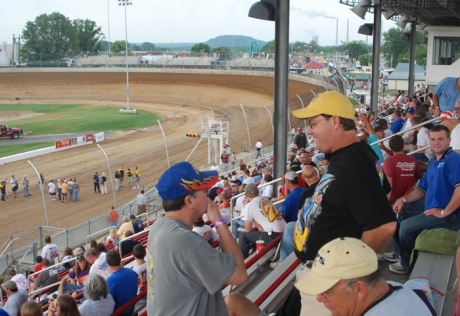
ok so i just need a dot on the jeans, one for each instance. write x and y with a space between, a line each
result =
247 241
287 242
412 226
235 225
409 210
26 191
76 195
420 156
224 166
60 194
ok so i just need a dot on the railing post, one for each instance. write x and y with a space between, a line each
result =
40 234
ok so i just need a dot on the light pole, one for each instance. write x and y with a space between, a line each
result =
126 3
108 22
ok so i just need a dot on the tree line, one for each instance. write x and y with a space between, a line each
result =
52 37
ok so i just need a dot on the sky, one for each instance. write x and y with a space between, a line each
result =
172 21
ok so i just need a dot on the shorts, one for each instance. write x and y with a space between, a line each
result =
141 209
14 188
52 193
64 194
130 178
137 179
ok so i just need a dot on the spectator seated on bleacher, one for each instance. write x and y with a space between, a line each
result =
205 231
19 278
263 221
73 282
433 204
140 268
127 245
39 266
46 277
16 298
98 262
127 225
112 238
122 283
98 300
63 305
138 225
30 308
346 279
67 255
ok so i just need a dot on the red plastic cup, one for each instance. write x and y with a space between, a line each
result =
259 245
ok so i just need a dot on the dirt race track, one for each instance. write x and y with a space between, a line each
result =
162 93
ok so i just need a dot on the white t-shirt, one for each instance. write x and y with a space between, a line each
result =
265 214
423 140
267 191
239 203
209 234
259 145
141 271
51 187
13 182
101 267
216 168
455 138
21 281
50 252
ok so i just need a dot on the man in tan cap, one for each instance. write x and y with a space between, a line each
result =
349 199
346 279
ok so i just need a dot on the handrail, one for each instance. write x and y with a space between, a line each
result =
96 233
6 246
145 231
405 131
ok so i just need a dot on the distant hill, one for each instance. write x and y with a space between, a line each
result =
235 41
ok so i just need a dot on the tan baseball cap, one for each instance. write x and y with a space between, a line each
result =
341 259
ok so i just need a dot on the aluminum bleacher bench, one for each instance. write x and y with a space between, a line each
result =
270 294
441 273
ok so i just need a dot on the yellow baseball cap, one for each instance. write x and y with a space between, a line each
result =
341 259
331 103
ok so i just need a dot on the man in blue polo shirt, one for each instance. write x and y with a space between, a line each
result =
398 122
290 207
446 94
439 189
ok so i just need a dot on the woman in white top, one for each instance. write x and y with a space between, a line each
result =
267 191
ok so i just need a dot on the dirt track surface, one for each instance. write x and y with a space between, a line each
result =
161 93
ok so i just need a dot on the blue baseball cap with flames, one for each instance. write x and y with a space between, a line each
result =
182 178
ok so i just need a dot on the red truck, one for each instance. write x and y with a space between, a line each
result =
12 132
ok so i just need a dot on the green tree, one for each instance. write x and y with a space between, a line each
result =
89 35
269 48
224 52
397 50
49 37
147 46
365 59
356 49
119 46
201 48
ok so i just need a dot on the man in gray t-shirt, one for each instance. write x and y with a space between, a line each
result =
46 277
184 273
16 298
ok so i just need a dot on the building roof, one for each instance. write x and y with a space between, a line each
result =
313 65
430 12
401 72
359 77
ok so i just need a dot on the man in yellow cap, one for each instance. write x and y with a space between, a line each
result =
350 199
345 278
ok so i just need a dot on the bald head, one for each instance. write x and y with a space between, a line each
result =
310 174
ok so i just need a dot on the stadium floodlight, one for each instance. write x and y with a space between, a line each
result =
403 22
361 9
126 3
366 29
263 10
388 13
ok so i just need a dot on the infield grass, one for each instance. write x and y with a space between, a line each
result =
74 118
8 150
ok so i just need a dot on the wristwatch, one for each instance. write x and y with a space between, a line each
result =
442 213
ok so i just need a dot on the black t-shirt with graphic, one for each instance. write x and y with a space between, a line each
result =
348 200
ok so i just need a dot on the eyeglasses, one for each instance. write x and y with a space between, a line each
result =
312 125
330 293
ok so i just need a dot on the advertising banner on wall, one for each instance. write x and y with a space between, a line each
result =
63 143
99 137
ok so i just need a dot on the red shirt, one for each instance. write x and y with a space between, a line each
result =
37 268
404 172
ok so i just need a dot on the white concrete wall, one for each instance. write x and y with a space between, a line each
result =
435 73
